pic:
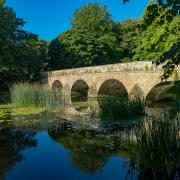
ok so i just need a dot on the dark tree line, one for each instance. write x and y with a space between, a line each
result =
21 52
93 39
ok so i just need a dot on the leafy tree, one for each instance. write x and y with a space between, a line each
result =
170 59
129 31
94 39
21 52
160 23
10 34
166 11
156 39
30 58
56 54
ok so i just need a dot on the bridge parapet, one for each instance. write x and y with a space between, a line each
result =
120 67
136 78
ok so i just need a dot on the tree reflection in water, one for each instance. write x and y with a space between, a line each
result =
89 150
12 142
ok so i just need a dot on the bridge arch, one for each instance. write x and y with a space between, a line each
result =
160 92
112 87
57 86
136 91
79 91
57 90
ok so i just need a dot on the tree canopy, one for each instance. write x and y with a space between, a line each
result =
156 39
20 51
159 35
94 39
129 31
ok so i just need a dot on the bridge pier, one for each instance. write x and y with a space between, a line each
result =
92 92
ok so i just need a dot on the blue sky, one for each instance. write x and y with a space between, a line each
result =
49 18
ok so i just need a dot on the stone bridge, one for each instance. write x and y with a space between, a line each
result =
136 78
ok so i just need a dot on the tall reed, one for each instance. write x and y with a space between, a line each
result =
117 107
34 95
156 148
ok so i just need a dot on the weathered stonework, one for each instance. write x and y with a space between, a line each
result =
141 76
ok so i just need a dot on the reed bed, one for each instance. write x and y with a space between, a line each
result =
156 150
117 107
35 95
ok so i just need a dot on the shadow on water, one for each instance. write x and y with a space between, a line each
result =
12 142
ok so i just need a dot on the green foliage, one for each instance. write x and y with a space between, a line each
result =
129 31
91 17
152 11
156 39
21 52
175 90
94 39
117 107
170 60
156 149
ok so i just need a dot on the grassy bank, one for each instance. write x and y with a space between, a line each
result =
117 107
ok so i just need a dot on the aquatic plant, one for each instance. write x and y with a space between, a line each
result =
35 95
118 107
155 149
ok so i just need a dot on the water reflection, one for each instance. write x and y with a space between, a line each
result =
67 148
12 142
62 153
64 149
89 150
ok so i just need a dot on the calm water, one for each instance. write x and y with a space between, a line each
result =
50 154
33 148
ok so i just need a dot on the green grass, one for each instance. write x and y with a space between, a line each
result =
117 107
35 95
156 150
